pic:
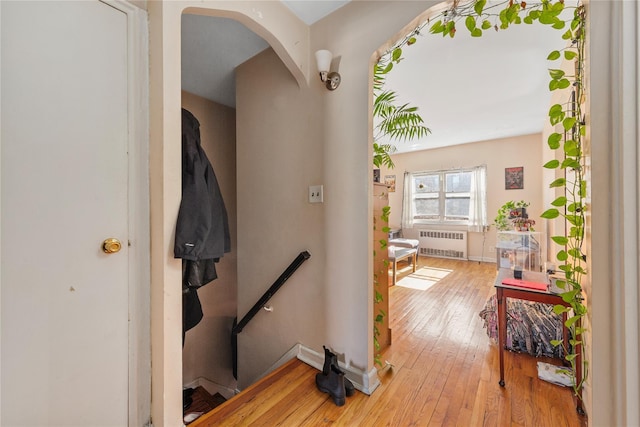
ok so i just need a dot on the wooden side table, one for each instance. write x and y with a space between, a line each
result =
504 291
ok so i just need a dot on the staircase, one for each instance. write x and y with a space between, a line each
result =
288 393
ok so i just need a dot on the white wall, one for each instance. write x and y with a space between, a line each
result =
525 151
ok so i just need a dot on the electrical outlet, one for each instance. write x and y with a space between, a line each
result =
316 194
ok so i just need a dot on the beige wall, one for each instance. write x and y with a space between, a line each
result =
497 155
279 157
207 353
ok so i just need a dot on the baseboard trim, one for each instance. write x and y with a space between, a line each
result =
366 382
482 259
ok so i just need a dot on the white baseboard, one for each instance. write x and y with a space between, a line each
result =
366 382
483 259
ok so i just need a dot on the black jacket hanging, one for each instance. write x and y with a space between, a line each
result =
202 228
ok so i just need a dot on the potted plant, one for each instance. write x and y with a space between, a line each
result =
507 212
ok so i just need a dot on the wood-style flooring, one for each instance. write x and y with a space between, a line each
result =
443 371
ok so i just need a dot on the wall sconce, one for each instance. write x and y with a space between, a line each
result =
330 78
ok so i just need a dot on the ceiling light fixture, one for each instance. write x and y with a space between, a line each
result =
330 78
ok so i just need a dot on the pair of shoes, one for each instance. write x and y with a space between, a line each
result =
332 381
331 359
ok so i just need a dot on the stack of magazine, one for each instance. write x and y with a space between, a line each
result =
560 375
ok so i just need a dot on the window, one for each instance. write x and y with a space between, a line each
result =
446 197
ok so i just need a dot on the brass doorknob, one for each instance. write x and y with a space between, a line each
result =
111 245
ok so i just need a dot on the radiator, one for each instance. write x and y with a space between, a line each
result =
443 244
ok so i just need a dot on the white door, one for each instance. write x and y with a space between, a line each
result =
64 191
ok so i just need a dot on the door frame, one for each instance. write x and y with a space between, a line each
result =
138 216
139 273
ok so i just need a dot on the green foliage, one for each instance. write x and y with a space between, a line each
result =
478 18
501 221
399 122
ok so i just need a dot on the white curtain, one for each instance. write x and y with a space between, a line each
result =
407 214
478 199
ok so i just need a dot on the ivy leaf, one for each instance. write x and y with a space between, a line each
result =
557 117
437 27
568 123
570 322
561 240
528 20
411 41
571 163
470 23
550 213
486 24
556 74
554 55
563 83
554 140
569 55
397 53
562 256
560 201
570 147
450 29
560 182
547 18
553 85
559 309
567 35
477 32
558 25
555 343
388 68
555 109
479 7
551 164
557 7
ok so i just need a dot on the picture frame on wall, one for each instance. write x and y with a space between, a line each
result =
376 175
514 178
390 180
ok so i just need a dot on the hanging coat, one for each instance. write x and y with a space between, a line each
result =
202 228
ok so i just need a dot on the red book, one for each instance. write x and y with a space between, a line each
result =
524 284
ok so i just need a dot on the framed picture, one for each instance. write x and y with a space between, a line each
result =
376 175
514 178
390 180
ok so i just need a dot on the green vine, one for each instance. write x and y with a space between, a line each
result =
378 298
479 17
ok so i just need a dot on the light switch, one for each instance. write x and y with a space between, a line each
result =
315 194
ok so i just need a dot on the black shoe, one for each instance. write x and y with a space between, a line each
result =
333 383
331 359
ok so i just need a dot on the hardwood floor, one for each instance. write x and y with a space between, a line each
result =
443 371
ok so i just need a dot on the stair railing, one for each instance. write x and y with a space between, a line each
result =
238 327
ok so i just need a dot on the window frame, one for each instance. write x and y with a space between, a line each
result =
442 197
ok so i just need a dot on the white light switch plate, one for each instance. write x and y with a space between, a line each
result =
315 194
